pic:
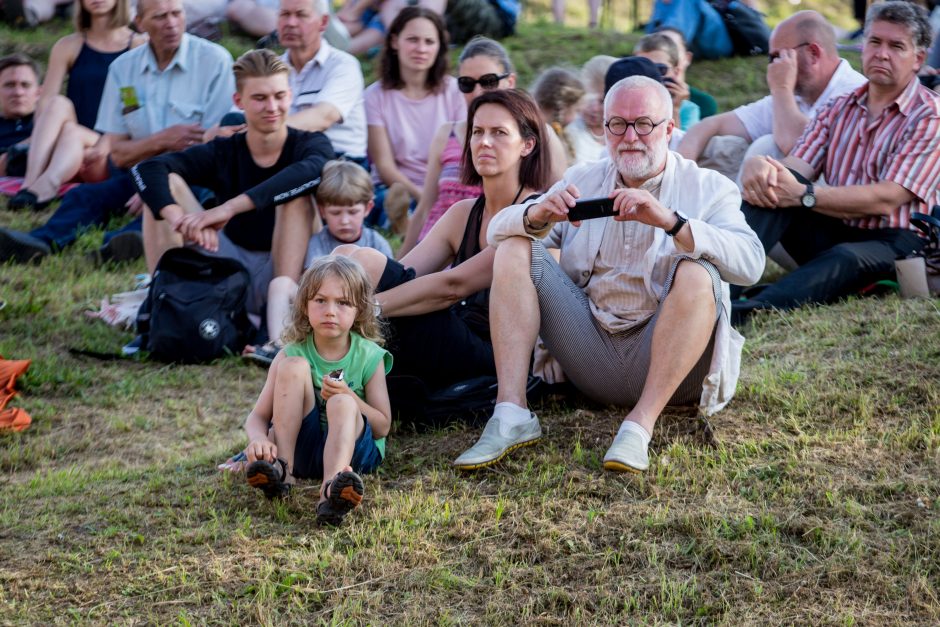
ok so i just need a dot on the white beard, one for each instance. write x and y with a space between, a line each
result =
640 167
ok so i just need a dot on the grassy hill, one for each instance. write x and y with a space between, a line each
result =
813 498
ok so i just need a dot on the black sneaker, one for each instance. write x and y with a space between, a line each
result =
127 246
269 478
21 247
346 490
28 201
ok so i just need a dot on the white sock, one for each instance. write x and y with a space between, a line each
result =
511 414
629 425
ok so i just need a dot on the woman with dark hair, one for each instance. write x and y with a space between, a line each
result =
436 300
412 98
64 145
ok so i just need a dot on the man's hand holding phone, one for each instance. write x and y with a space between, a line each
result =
554 208
640 205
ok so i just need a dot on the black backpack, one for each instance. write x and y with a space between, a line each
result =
469 402
195 310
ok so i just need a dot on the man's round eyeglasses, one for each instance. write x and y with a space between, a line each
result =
641 126
467 84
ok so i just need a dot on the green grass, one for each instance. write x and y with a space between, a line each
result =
817 500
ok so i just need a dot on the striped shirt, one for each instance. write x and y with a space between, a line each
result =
900 145
617 290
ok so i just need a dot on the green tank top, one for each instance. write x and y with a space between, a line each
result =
357 364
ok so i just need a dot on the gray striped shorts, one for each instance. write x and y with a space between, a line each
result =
608 368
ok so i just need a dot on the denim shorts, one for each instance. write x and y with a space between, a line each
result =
311 440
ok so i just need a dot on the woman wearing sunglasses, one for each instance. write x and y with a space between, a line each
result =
436 300
412 98
483 66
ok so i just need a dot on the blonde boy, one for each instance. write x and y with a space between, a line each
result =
344 199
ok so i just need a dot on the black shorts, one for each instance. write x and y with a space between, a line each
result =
311 439
437 347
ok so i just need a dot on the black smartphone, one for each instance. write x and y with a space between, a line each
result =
591 208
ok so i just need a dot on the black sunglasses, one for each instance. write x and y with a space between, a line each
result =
773 56
487 82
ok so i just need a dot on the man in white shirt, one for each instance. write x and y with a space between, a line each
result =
327 83
636 309
805 72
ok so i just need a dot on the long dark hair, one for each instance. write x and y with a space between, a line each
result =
389 71
535 166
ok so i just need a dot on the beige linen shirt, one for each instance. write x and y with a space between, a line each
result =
712 204
617 288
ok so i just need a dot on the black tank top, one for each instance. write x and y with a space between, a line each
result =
86 81
474 310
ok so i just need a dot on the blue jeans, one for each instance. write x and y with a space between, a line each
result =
89 205
94 204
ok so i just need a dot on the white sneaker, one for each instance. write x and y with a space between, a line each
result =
628 453
496 441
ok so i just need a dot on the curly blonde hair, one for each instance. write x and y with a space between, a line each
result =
359 291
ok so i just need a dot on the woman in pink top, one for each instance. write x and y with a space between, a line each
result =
412 98
483 65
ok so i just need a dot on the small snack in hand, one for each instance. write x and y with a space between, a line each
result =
336 375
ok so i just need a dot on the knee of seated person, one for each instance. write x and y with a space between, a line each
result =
514 252
341 407
282 285
57 103
692 277
293 367
764 146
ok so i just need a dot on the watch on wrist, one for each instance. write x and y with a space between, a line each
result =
528 225
808 199
680 222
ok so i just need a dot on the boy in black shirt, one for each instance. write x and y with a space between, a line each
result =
19 94
263 179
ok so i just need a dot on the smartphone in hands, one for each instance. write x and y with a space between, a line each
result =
591 208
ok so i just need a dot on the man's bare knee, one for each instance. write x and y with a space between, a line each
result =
693 282
513 253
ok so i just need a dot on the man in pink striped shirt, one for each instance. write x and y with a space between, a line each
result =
879 149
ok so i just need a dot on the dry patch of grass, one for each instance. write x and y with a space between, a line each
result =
813 498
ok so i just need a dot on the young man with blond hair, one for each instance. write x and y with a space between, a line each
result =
262 178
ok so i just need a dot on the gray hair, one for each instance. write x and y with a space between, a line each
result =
481 46
908 14
638 83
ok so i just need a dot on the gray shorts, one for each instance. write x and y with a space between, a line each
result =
608 368
260 267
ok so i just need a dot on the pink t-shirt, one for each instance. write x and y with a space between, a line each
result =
411 124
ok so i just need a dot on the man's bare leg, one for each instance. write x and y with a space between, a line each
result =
292 230
682 332
159 235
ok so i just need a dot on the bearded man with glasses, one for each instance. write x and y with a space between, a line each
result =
636 309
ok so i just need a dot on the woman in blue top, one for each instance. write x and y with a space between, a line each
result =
63 145
324 410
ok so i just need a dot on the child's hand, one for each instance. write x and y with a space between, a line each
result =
332 387
261 449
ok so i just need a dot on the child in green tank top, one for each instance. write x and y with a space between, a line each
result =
324 410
